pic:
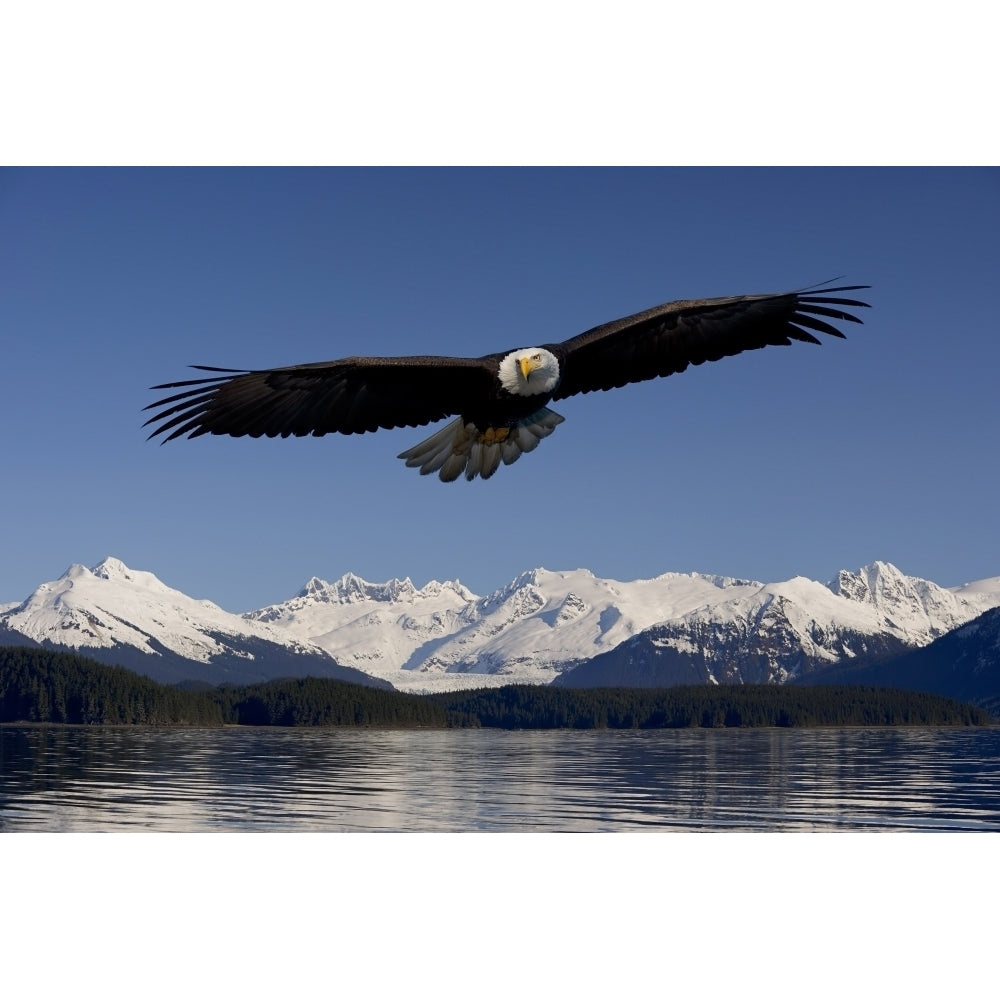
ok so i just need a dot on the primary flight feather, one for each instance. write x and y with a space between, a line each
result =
500 399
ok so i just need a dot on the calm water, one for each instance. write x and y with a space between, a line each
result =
85 779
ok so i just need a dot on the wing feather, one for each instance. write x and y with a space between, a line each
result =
666 339
813 324
349 396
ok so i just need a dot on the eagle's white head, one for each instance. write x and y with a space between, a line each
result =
529 371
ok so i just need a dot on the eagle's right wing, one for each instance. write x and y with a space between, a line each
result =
348 396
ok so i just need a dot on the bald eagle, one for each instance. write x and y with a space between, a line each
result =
499 400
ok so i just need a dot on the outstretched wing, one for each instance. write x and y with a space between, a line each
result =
668 338
347 396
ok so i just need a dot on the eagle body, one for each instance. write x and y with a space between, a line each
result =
499 401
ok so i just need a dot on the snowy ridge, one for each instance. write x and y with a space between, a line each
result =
127 616
920 609
979 587
786 630
112 605
443 637
373 627
544 626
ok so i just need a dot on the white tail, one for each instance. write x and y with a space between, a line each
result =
460 447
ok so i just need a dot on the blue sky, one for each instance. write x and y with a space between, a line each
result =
786 461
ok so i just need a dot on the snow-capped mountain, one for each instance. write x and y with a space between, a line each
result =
564 627
444 637
787 630
128 617
962 664
574 628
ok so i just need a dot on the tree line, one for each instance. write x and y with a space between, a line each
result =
39 685
315 701
703 706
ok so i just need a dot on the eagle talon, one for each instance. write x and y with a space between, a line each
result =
494 435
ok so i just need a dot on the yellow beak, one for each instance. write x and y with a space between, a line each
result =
527 366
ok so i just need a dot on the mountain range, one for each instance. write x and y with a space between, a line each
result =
567 628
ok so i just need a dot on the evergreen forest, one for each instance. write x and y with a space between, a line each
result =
703 705
42 686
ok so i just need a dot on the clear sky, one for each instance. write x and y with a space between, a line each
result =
787 461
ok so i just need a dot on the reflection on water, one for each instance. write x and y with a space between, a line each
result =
337 779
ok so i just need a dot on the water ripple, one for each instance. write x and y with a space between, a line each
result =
85 779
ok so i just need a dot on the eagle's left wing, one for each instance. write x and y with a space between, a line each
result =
666 339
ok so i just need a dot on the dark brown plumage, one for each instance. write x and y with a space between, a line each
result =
501 413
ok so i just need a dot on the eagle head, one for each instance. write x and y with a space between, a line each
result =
530 371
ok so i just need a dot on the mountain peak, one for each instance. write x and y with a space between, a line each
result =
867 583
313 586
880 570
111 568
353 589
72 572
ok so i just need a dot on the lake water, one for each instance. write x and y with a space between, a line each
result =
120 779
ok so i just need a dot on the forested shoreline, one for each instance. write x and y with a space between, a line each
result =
42 686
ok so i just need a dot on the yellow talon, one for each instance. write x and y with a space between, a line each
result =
494 435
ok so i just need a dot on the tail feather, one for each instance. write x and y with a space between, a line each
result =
463 447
